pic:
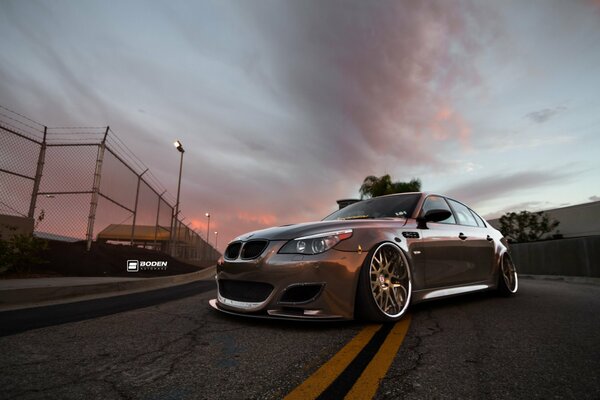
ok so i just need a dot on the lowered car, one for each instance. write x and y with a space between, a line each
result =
371 259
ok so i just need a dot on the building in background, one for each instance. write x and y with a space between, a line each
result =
346 202
575 221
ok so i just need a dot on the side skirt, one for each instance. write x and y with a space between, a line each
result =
431 294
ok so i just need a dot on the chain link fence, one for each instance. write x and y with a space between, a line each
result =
84 183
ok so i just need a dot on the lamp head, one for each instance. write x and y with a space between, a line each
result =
178 146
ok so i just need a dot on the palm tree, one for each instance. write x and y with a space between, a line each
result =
373 186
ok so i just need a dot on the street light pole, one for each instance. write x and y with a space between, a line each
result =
179 148
216 241
207 235
207 228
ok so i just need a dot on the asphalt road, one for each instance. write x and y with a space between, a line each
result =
542 343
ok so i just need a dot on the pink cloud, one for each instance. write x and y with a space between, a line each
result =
448 124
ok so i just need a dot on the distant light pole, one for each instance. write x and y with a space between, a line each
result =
216 240
207 235
207 228
179 148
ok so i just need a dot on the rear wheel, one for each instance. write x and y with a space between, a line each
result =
385 285
508 281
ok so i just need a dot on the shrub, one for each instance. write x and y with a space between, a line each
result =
20 252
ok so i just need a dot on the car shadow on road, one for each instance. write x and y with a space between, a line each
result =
313 325
282 324
457 301
316 325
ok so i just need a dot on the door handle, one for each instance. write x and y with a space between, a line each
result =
489 238
462 236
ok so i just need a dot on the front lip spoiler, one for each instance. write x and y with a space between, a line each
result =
244 305
276 314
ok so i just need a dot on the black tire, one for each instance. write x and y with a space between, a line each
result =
508 279
384 285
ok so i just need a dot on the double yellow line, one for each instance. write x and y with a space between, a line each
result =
366 385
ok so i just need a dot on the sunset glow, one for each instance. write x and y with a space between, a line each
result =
285 107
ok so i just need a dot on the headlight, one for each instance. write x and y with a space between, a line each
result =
315 244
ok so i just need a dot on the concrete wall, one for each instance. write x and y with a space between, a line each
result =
577 220
12 225
569 257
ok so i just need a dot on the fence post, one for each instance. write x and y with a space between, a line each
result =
157 215
137 196
172 234
38 176
95 190
188 236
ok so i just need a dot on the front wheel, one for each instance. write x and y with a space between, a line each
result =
385 286
508 281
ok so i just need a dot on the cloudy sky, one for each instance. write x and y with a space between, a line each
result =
285 106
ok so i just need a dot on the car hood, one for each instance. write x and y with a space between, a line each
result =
288 232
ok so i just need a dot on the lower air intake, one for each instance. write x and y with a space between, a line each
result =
246 291
299 294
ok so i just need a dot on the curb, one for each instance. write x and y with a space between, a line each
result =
28 297
563 278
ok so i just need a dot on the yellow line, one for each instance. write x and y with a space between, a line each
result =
328 372
367 384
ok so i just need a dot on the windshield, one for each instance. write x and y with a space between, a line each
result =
400 206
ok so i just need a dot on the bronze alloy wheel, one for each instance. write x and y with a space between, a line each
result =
389 284
509 281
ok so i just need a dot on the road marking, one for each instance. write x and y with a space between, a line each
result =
366 386
312 387
356 371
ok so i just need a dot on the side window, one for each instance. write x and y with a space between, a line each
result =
463 214
478 219
437 203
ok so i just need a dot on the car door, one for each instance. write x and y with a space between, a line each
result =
477 246
488 253
441 248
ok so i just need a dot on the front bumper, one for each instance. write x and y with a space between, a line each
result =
328 280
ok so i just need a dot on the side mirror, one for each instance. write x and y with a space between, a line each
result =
433 216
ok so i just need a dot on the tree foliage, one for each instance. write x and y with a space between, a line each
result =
20 252
373 186
526 226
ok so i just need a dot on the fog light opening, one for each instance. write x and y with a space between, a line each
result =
301 293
